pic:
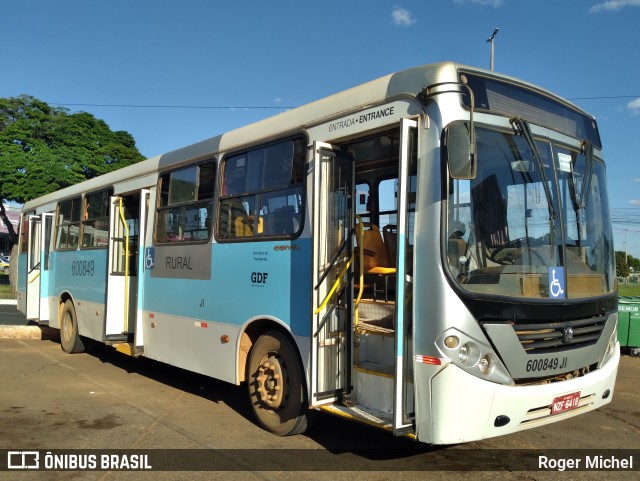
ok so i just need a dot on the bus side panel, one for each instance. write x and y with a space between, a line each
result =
83 275
184 319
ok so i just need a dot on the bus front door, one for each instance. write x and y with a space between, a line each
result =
332 274
403 406
126 240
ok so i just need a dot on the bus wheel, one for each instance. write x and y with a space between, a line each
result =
70 339
275 385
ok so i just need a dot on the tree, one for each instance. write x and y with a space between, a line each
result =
626 263
44 148
622 268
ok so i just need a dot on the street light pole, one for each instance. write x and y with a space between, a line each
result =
490 40
625 247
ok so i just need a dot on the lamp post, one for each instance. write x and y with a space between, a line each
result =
626 261
490 40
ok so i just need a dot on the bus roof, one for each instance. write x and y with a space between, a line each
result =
405 83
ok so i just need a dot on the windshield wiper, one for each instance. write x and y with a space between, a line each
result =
580 204
521 127
587 150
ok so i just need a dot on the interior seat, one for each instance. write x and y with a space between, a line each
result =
375 261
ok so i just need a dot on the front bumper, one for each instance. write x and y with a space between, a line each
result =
464 408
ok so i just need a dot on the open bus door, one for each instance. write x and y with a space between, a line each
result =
38 267
403 405
33 267
332 274
128 215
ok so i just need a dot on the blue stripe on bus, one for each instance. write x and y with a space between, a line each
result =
83 273
248 280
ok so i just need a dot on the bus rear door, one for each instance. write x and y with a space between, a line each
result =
38 267
124 284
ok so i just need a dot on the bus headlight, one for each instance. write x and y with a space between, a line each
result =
451 342
475 357
612 346
463 353
469 354
485 364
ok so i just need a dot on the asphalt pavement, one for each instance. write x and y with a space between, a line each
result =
10 315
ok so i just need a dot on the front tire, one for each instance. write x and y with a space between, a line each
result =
70 339
276 392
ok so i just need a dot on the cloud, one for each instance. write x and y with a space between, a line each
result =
634 202
634 106
483 3
277 100
402 17
614 5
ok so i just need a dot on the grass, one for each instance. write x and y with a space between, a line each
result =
629 289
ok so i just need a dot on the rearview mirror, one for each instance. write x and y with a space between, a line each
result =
523 166
461 151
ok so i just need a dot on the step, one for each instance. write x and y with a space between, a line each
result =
362 414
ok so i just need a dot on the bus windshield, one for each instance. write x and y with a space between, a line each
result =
530 224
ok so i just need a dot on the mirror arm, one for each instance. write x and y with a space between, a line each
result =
428 92
472 130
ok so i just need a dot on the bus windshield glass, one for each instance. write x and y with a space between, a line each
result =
508 234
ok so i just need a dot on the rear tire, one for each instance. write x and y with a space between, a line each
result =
276 392
70 338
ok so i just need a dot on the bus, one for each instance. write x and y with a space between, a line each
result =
430 253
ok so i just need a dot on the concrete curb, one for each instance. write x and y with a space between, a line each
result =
26 332
44 333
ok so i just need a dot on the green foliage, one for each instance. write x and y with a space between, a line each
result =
44 148
624 268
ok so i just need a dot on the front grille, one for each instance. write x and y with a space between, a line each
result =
540 338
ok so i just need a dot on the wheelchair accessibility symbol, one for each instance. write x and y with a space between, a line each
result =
149 258
556 283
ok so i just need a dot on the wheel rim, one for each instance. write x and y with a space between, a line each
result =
67 326
272 379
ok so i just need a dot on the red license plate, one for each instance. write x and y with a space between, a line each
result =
565 403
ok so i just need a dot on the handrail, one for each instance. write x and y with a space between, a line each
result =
37 266
126 269
345 242
356 311
361 268
335 286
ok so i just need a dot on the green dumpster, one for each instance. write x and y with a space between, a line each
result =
629 324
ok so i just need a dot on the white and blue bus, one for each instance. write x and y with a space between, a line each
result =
430 253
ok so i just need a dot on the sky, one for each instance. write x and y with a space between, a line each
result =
174 72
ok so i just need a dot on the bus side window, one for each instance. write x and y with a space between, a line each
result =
95 221
186 205
261 192
68 224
